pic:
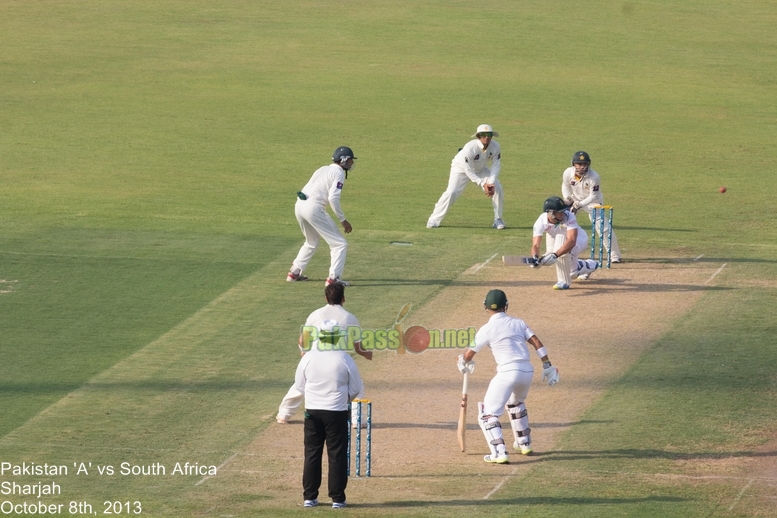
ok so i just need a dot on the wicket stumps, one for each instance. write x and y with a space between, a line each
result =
597 217
358 445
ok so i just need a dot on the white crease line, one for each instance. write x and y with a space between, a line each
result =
475 268
740 494
714 274
500 484
206 477
702 255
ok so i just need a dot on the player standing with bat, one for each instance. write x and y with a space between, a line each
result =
507 337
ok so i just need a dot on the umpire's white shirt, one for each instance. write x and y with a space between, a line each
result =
329 380
325 187
507 337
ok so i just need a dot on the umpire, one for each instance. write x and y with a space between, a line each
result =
330 380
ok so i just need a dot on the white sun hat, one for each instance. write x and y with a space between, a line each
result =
485 128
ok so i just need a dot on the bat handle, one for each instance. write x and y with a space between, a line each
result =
465 386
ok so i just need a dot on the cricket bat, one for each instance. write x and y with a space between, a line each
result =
462 431
518 260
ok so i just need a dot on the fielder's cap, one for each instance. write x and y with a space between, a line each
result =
495 299
485 128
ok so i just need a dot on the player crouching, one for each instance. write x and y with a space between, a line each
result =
565 241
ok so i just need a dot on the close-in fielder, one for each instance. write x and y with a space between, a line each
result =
507 337
332 312
471 165
323 189
565 241
581 191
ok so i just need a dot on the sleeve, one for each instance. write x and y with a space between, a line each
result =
299 376
594 193
335 189
539 228
355 384
469 157
496 162
566 189
481 339
528 333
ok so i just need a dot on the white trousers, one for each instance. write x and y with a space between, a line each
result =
291 403
315 224
568 269
616 251
456 184
512 385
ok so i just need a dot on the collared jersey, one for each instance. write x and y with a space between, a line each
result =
473 160
334 312
507 337
543 225
325 186
329 380
585 190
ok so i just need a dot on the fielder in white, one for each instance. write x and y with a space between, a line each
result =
471 164
332 312
507 337
564 243
580 189
323 189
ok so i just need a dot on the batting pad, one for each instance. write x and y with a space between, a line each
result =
563 267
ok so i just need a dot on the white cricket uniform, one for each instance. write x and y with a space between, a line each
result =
507 337
323 189
586 192
556 236
293 398
471 164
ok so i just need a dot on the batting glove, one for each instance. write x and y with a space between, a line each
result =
548 259
465 366
536 263
551 374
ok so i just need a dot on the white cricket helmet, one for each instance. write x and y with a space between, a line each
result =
485 128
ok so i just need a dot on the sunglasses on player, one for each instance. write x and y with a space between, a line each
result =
486 134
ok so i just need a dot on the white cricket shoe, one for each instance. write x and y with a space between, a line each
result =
584 277
525 449
310 503
499 224
432 224
561 286
497 459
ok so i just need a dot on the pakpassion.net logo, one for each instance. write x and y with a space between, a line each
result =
415 339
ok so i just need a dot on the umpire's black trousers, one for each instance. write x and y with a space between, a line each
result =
330 427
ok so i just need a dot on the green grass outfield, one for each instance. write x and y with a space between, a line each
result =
149 156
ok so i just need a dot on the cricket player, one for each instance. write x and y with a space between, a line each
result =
565 242
580 189
332 312
471 164
324 188
507 337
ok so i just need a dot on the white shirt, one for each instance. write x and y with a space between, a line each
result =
543 225
585 191
325 186
329 380
507 337
473 161
334 312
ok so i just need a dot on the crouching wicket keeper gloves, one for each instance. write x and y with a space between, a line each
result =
549 373
465 366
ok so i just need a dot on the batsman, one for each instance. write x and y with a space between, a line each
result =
507 337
